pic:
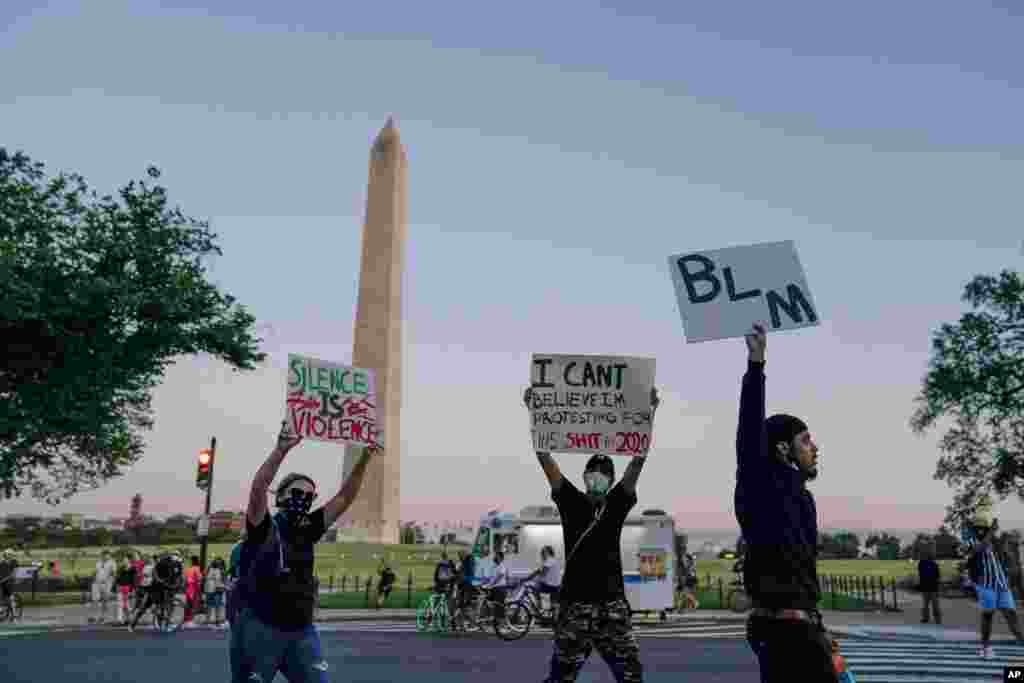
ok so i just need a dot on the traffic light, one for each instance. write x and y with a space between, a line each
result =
203 471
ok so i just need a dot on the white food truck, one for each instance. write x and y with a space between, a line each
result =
648 551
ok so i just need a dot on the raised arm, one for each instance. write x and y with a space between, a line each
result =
750 430
257 509
550 467
636 465
341 501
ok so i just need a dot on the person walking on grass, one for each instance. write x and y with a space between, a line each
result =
593 610
273 630
928 578
776 458
991 585
385 584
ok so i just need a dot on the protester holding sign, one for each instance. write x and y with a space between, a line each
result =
594 612
277 591
777 515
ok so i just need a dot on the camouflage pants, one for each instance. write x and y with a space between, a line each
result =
608 627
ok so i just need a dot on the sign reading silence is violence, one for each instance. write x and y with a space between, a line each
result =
591 404
330 402
722 292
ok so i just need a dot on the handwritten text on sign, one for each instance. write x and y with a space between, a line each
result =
591 404
722 293
329 402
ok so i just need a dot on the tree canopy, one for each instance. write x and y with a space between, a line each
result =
975 381
98 295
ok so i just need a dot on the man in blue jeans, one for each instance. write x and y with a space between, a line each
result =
277 591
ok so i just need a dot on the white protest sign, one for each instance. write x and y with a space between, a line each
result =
330 402
591 404
722 293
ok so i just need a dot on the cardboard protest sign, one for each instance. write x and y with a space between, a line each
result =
591 404
331 402
722 293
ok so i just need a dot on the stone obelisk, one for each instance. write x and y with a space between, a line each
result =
378 338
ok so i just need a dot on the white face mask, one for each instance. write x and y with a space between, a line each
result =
597 483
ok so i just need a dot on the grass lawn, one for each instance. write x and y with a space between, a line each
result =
332 559
357 562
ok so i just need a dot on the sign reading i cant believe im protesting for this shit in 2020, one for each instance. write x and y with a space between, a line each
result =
722 293
591 404
331 402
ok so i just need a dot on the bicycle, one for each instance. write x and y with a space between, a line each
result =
11 609
480 613
432 614
525 607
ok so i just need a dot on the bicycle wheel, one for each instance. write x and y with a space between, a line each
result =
440 617
739 601
516 623
424 615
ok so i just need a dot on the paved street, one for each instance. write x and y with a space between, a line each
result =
391 650
369 655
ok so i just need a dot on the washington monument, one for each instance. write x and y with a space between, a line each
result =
378 337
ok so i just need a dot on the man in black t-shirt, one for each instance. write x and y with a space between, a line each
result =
594 612
277 590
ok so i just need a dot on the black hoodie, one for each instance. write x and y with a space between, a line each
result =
775 511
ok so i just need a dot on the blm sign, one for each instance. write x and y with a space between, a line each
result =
591 404
722 293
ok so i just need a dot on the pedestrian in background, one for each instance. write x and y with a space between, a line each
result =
125 588
103 585
214 588
193 585
928 579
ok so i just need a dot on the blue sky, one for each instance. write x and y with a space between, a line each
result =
558 152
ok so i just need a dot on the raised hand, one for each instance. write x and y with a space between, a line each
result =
757 340
655 400
528 396
287 439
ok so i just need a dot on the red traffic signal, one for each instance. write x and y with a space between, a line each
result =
203 470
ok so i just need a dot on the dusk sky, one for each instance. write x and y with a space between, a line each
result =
558 152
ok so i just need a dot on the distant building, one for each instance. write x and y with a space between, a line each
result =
227 520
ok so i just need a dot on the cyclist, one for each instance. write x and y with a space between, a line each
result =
165 582
8 565
467 570
498 585
444 579
547 578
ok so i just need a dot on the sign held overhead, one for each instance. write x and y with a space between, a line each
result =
721 293
591 404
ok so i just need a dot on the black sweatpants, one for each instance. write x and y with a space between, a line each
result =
791 650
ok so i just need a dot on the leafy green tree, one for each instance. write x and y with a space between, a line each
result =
97 296
887 544
975 381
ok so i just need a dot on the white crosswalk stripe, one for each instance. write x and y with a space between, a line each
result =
690 629
873 661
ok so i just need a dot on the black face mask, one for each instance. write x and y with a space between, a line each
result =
296 504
